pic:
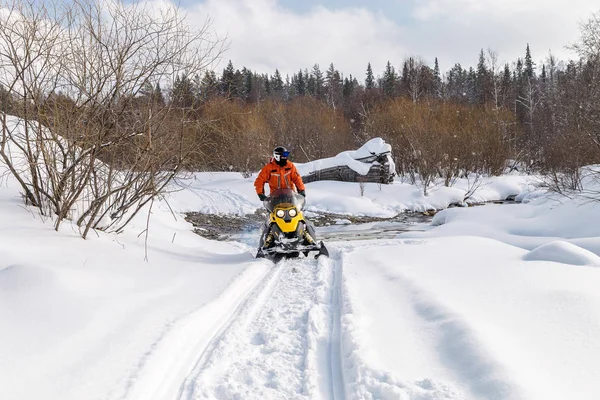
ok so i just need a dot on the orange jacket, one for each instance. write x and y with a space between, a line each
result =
278 177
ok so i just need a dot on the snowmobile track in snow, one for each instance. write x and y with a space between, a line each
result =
189 340
244 312
336 378
282 342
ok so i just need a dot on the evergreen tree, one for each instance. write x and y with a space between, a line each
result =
405 78
319 81
209 86
237 88
333 83
288 88
437 80
348 88
311 84
300 84
146 90
456 84
389 80
471 87
197 88
520 87
267 84
248 78
505 86
158 96
6 103
277 83
370 80
529 70
519 70
182 94
543 76
228 81
483 80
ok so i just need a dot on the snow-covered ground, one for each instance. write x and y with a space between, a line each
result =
229 193
491 302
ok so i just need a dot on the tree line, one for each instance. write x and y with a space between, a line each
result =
543 116
114 106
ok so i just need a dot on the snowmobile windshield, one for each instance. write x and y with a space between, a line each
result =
285 198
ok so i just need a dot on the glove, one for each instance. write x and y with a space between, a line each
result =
302 193
262 196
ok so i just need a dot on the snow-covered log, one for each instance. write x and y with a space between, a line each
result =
371 163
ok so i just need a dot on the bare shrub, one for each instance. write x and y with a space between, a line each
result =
434 139
310 130
573 119
237 135
92 144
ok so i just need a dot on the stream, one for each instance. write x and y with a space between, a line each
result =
329 227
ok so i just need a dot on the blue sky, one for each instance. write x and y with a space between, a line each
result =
294 34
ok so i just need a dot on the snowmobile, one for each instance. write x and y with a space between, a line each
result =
287 233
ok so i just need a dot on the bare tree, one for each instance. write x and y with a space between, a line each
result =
492 60
415 78
90 143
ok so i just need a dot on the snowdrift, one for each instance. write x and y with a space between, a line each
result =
563 252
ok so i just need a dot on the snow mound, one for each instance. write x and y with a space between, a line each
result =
563 252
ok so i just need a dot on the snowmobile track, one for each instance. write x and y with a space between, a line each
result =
336 378
245 311
282 342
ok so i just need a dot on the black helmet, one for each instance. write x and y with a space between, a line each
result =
281 154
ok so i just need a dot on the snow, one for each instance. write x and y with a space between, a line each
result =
80 318
349 158
563 252
480 323
230 193
489 302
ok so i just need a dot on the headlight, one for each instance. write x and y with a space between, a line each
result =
280 213
293 212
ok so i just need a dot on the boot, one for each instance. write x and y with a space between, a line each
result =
269 239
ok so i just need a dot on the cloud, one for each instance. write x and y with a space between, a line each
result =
264 35
464 26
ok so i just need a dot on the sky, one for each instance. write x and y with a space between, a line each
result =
295 34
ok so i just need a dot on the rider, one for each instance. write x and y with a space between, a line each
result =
279 173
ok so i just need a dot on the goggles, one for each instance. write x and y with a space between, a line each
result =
282 156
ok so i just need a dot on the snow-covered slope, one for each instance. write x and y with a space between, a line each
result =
79 319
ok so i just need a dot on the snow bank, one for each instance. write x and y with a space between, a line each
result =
527 226
230 193
83 318
563 252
